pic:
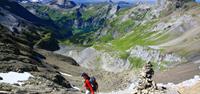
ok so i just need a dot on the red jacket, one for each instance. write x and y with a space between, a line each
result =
88 86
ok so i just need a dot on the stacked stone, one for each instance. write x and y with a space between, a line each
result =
146 85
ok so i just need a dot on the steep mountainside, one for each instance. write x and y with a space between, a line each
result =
18 20
19 35
82 20
17 55
15 8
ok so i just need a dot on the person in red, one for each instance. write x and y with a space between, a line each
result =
87 84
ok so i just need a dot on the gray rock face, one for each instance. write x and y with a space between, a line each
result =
174 3
149 54
91 58
177 24
168 6
113 10
66 3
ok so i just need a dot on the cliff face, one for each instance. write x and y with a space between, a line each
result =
172 3
20 32
17 55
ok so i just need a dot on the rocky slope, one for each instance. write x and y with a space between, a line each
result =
19 35
18 56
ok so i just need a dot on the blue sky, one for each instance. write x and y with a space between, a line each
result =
107 0
115 0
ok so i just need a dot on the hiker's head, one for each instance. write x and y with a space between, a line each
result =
85 75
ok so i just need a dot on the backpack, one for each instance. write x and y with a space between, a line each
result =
94 83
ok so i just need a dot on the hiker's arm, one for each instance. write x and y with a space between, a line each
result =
90 87
83 87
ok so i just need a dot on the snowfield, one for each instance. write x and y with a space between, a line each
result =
14 77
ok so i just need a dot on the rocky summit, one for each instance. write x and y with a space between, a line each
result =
127 47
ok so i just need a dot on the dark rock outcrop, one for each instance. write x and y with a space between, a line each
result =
50 44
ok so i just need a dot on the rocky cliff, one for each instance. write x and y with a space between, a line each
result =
20 34
17 55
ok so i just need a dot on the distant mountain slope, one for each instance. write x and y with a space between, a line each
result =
145 33
79 20
20 21
16 9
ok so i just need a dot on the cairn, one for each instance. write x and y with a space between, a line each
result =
146 85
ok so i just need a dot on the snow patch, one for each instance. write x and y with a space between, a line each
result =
4 92
14 77
77 88
65 74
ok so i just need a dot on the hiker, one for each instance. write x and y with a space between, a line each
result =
90 84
